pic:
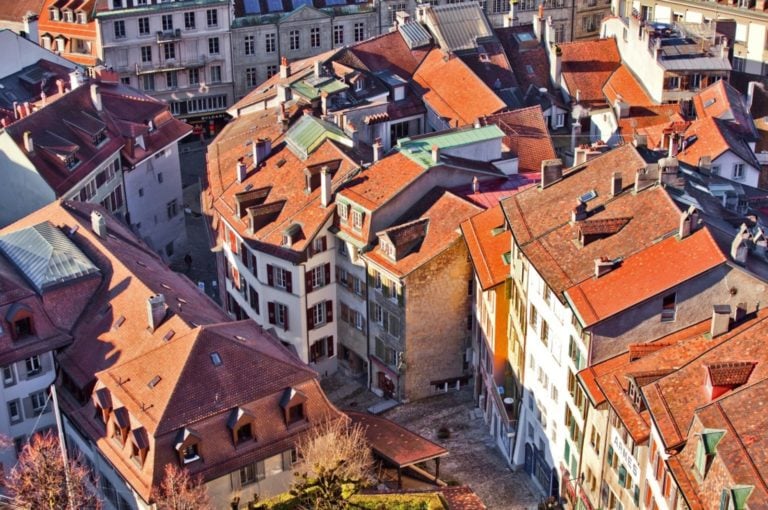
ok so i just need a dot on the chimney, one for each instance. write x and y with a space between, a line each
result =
640 140
43 98
603 266
325 187
285 68
538 24
75 79
60 86
377 149
242 170
724 48
27 108
575 132
16 111
155 311
751 91
705 164
689 221
622 109
509 19
353 133
672 150
318 69
283 92
324 102
29 145
262 147
96 97
475 185
551 171
579 155
721 320
646 176
556 65
435 154
740 245
579 213
98 224
616 184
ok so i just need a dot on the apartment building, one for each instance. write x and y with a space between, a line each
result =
265 32
742 22
102 143
69 29
42 296
672 60
177 52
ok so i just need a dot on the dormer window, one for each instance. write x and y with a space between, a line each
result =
706 449
55 14
139 446
69 16
343 210
359 84
292 403
102 402
241 424
70 161
22 328
190 454
121 423
388 249
99 137
357 219
82 18
188 446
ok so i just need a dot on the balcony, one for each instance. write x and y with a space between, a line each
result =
176 64
168 36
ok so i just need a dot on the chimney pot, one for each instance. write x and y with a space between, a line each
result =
721 320
96 97
262 147
616 184
435 154
242 171
285 68
475 185
377 149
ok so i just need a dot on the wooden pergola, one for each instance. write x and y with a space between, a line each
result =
398 446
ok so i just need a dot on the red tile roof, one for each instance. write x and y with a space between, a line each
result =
642 117
526 135
720 100
623 84
541 218
643 275
586 68
490 64
282 174
444 211
16 10
453 91
487 241
529 60
82 31
386 52
673 400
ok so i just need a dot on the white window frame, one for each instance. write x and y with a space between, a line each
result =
33 365
738 170
318 313
318 277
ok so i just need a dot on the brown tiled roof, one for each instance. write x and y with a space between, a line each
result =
386 52
526 135
487 246
16 10
490 64
65 125
521 57
541 219
587 66
395 443
674 261
720 100
674 399
623 84
462 498
453 91
444 211
712 137
643 117
282 174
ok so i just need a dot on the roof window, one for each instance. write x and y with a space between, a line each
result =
216 359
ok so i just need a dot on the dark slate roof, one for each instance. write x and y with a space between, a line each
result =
45 256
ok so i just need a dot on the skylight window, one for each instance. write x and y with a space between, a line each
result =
154 382
589 195
529 69
216 359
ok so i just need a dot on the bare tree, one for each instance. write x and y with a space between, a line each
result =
337 463
181 491
39 479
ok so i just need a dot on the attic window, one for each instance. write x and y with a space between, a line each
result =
589 195
70 161
668 307
343 210
216 359
167 337
709 102
529 69
388 249
119 322
99 137
357 219
706 450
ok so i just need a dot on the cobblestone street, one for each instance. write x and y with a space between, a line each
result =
472 460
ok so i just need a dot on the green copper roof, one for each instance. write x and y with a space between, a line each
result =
312 91
419 149
740 494
309 132
711 437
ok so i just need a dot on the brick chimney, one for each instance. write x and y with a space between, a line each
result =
318 69
324 102
475 185
689 222
285 68
579 213
740 245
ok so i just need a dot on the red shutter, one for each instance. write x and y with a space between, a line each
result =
329 348
329 311
288 281
327 274
270 276
324 243
232 241
308 280
271 312
310 319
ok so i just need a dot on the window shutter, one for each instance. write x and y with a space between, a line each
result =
254 267
287 460
285 327
313 353
260 470
329 311
400 295
329 346
270 275
324 243
271 312
308 280
327 274
244 254
288 281
310 318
